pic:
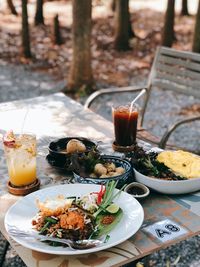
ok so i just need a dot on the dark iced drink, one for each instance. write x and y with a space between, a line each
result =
125 125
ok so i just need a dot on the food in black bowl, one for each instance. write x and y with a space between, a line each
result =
65 146
61 150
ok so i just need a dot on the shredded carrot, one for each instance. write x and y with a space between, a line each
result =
72 220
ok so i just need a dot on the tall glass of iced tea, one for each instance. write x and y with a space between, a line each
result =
20 151
125 124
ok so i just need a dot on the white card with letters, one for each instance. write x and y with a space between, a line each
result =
165 230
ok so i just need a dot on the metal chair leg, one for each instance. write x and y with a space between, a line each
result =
5 249
171 129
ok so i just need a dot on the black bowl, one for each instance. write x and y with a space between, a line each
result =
60 164
57 148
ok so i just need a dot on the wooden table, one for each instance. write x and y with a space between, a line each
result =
57 116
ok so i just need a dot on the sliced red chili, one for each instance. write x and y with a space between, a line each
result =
100 195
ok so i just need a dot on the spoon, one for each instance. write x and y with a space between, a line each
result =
79 244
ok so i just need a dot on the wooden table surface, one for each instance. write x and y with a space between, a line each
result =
55 116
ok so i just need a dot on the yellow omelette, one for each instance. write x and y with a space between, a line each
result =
181 162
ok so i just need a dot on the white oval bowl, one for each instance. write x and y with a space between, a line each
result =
169 187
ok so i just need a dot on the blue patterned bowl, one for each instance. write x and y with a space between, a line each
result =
122 178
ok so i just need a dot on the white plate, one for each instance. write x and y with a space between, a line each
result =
21 213
169 187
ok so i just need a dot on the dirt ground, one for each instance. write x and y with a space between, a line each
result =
109 66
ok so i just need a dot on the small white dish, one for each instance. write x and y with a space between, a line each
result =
137 190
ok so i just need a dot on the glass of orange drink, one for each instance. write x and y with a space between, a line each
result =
20 151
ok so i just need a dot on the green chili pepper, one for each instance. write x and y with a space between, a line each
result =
44 228
106 238
51 220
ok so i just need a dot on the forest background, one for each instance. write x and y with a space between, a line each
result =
52 48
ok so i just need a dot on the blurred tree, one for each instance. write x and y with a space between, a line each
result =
131 32
39 18
57 34
12 7
196 39
168 34
80 75
184 9
25 31
112 5
122 20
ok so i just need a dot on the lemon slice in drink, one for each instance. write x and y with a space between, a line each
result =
113 208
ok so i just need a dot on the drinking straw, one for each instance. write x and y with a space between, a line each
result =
135 99
24 120
131 107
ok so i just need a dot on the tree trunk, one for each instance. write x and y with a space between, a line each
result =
25 31
57 34
39 18
112 5
12 7
131 32
168 34
184 9
122 20
196 39
80 76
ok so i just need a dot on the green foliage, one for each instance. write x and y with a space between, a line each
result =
83 163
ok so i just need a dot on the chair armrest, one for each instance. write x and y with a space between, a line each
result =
171 129
109 91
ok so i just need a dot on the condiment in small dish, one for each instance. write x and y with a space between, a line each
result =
137 190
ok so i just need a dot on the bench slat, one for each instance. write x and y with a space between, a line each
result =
179 80
178 71
188 64
174 87
179 54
